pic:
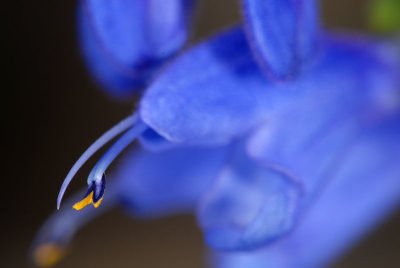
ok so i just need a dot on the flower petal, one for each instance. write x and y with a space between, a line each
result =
153 184
306 147
284 34
363 191
125 41
211 94
310 137
216 92
247 206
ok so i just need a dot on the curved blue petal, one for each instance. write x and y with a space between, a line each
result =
210 94
247 206
364 190
124 41
283 34
153 184
216 92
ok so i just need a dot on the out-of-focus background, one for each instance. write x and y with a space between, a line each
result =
51 111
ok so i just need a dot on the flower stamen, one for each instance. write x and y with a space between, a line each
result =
96 179
99 143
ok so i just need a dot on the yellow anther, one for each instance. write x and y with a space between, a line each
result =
48 255
84 202
98 203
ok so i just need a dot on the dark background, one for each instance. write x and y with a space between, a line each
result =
51 111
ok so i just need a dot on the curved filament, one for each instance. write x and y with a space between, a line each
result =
100 142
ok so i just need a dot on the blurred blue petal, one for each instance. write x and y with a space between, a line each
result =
124 41
363 189
308 151
216 92
196 98
153 184
247 205
283 34
354 87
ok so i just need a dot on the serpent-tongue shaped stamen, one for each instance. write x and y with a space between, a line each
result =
94 195
136 127
96 180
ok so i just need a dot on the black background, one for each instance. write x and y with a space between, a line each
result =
51 111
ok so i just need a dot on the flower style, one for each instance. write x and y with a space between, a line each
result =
274 133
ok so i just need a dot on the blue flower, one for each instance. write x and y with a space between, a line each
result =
274 134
